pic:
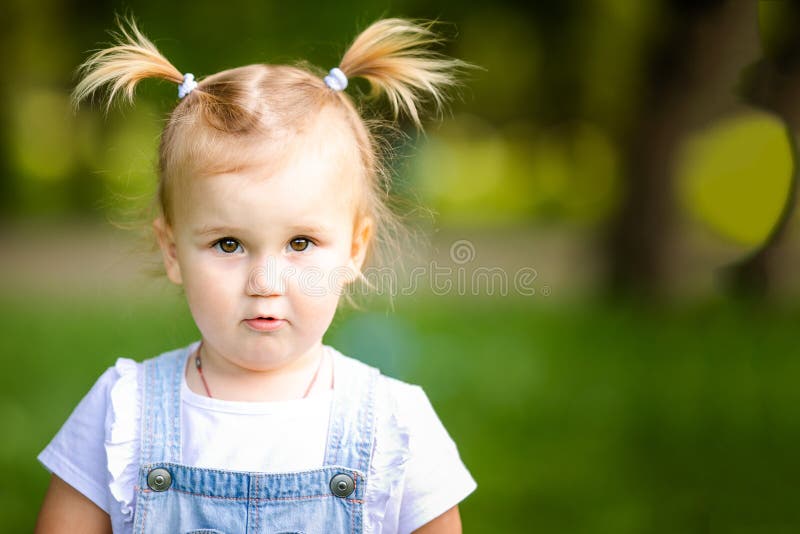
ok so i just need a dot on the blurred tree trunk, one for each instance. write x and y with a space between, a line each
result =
773 83
693 64
6 182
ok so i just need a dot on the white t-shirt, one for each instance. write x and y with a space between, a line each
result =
97 450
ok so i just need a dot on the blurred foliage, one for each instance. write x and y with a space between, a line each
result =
474 174
775 21
735 174
534 136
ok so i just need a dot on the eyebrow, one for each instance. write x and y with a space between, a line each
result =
230 230
205 230
309 229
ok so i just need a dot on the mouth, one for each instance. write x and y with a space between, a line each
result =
265 323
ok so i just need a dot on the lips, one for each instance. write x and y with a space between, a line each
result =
265 323
273 317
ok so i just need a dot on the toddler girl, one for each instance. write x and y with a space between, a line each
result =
271 197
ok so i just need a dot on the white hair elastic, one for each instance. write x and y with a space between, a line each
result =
336 79
187 86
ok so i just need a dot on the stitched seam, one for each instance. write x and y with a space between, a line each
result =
258 508
329 468
369 435
352 515
153 418
149 393
138 504
144 516
148 413
260 499
169 415
175 426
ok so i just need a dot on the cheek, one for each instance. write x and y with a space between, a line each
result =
316 314
210 286
321 277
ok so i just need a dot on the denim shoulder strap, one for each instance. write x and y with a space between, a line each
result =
352 422
160 394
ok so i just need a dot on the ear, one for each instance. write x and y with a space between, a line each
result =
166 241
362 236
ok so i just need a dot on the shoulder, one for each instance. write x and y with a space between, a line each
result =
411 410
401 402
125 377
79 452
394 399
386 384
402 394
98 400
435 477
416 471
96 450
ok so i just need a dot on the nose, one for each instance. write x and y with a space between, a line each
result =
268 277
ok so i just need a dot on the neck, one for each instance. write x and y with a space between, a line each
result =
230 380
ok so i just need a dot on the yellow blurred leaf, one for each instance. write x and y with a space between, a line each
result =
41 134
735 174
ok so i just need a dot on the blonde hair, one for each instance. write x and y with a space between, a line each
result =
221 125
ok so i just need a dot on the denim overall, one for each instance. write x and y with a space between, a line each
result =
175 498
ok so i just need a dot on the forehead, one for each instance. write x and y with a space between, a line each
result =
312 179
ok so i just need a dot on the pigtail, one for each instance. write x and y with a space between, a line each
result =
393 55
131 59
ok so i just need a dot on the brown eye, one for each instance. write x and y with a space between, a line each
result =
299 244
227 245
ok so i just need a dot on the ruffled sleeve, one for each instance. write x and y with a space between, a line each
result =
76 453
435 477
389 457
416 473
122 441
96 450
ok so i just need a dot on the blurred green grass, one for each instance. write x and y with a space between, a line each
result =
588 417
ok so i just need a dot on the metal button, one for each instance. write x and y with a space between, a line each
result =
342 485
159 479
